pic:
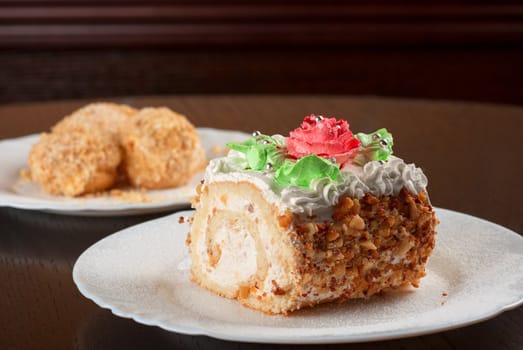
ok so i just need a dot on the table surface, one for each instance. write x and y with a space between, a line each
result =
471 153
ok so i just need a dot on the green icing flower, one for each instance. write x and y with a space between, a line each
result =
262 152
306 169
374 146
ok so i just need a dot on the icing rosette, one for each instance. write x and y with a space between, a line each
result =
324 137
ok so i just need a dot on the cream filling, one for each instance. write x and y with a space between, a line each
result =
237 249
238 264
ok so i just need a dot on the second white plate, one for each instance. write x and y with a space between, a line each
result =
142 273
19 194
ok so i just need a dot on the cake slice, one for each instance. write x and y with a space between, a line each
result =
283 223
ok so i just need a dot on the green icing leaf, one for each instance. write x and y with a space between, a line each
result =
302 172
374 146
260 151
256 157
242 146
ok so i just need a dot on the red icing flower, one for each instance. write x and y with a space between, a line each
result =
325 137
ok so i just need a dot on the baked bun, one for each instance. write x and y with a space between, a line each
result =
162 149
102 116
74 163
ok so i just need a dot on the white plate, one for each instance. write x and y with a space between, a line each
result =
142 273
24 195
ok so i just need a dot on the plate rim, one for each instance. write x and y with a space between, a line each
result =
492 312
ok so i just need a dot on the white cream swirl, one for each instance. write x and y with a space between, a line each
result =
389 178
234 161
379 179
323 193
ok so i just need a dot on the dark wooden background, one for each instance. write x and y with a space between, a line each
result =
58 49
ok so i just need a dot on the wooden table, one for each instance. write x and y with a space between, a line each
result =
470 152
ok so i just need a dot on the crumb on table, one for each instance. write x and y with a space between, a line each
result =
128 195
25 174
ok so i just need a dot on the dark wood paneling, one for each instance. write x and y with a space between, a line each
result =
254 24
485 75
437 49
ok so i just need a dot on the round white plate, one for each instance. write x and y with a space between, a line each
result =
17 193
475 273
